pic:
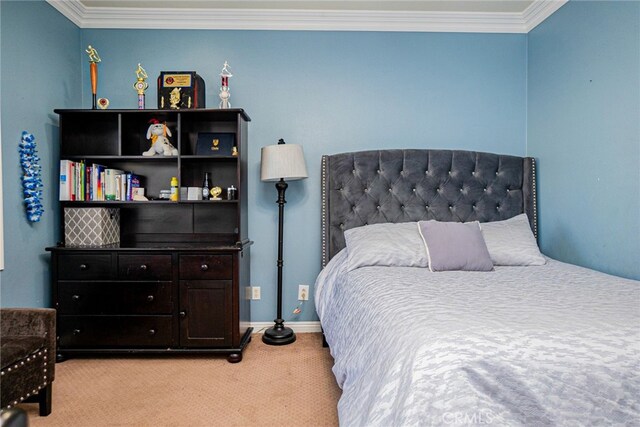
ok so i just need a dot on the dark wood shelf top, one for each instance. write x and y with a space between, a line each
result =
197 157
141 202
125 157
160 247
214 111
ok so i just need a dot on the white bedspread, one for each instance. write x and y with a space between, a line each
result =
547 345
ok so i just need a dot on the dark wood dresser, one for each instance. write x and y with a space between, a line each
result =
175 281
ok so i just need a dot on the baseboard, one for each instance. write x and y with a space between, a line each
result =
300 327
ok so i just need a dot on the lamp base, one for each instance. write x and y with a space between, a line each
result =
278 334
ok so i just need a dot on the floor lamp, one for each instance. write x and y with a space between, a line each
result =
279 162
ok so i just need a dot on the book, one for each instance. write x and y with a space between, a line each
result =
66 179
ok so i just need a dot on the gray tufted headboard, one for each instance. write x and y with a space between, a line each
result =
370 187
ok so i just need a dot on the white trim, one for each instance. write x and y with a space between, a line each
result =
299 327
72 9
315 20
540 10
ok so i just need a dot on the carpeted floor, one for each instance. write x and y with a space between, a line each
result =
272 386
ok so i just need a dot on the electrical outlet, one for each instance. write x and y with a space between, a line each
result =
255 292
303 292
247 292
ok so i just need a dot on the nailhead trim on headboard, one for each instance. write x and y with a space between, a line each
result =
535 197
324 211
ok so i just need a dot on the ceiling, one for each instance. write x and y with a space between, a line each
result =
487 16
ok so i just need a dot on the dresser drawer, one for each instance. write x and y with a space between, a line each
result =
144 267
204 267
114 298
114 331
85 267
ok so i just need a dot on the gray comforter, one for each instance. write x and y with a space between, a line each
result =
547 345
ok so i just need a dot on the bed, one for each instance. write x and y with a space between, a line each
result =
545 344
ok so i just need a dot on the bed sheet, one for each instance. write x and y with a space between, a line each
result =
546 345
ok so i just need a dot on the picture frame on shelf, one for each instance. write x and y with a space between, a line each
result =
215 144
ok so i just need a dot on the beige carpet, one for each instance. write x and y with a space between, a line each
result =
272 386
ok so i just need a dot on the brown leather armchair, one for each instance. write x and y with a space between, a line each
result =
27 356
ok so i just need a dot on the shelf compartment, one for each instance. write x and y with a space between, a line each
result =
87 135
135 126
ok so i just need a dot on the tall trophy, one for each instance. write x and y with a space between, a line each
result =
94 58
141 85
224 86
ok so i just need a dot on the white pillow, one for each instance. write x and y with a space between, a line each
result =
511 242
387 244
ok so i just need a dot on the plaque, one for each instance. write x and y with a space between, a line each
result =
180 90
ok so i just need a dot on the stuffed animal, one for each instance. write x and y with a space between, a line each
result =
160 144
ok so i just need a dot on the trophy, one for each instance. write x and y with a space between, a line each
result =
224 88
141 85
215 193
94 58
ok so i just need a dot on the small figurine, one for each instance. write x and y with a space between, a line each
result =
141 85
234 151
224 88
160 144
174 98
94 58
215 193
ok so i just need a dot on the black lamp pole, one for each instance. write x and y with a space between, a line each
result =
279 334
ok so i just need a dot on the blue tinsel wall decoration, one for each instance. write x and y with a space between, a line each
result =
31 177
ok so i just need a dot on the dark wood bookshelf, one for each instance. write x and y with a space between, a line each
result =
175 281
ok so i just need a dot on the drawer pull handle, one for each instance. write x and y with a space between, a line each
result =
183 314
143 267
204 267
76 332
150 298
75 297
152 331
83 266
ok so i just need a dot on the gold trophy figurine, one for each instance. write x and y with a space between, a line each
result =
215 193
175 96
141 85
94 58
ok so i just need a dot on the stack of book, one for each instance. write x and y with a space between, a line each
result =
81 182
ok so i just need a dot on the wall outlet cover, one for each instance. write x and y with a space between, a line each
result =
303 292
255 292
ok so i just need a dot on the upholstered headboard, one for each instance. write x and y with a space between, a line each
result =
370 187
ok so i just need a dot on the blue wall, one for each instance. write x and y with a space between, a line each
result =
330 92
40 71
584 127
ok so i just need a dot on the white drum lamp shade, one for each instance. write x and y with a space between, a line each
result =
283 161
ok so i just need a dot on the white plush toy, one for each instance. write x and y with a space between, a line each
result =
160 144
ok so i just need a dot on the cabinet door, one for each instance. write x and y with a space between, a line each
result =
205 313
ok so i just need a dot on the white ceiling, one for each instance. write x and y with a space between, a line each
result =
483 16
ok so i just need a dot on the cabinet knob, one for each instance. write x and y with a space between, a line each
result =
83 266
143 267
204 267
75 297
76 331
149 298
183 314
152 331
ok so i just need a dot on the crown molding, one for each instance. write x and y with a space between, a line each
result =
313 20
540 10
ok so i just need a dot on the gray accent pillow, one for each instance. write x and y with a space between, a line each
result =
511 242
455 246
389 245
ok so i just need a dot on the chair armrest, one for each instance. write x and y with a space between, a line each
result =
29 321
